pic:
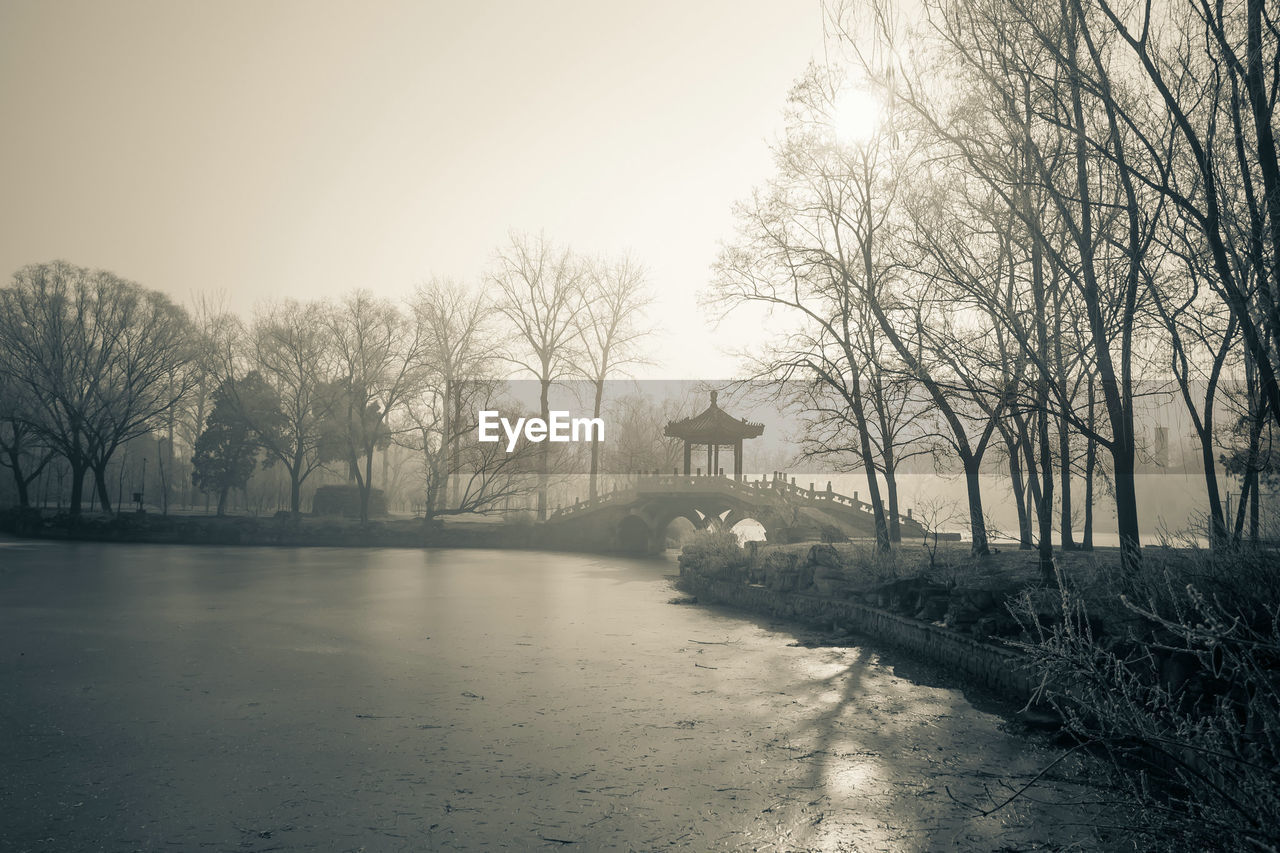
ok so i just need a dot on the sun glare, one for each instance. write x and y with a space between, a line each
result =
856 116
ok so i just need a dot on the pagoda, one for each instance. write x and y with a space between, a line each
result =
714 428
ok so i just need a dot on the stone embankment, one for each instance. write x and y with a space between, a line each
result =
957 628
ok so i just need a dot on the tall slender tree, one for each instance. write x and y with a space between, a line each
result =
378 354
541 294
610 326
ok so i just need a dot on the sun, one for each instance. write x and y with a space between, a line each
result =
855 116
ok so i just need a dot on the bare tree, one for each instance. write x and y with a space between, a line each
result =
378 356
459 350
1217 90
291 354
216 337
610 327
21 448
808 251
637 441
93 355
1036 119
485 477
541 295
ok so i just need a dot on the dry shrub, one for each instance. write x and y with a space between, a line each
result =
1173 675
714 553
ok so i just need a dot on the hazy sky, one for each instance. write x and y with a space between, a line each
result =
304 148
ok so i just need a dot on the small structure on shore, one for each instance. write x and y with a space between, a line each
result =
715 428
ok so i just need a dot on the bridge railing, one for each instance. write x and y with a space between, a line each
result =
666 483
577 507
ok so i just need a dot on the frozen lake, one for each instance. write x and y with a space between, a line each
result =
253 699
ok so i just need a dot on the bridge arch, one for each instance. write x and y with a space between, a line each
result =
748 528
645 528
634 534
677 530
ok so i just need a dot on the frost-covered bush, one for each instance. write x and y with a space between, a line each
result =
715 553
1178 687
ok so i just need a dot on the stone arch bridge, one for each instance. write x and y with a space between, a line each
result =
635 518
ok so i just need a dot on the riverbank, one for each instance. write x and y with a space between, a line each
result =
953 610
1164 670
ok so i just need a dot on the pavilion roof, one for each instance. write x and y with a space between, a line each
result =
714 425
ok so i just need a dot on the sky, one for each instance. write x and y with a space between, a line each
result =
278 149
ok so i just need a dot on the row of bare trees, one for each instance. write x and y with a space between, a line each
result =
1061 207
89 361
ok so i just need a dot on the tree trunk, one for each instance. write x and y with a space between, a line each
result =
855 400
977 521
891 486
1019 496
164 477
78 469
24 499
1065 521
1034 477
453 468
222 501
366 486
1254 528
100 483
1218 536
595 443
1047 573
440 491
386 475
19 480
1250 477
544 450
1127 508
1090 468
434 484
877 502
1248 483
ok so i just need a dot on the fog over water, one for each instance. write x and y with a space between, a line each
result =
1171 504
168 697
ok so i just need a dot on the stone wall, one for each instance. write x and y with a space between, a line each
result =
994 666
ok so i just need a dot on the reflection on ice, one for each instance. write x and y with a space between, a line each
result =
399 699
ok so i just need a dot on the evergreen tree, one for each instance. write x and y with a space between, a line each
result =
226 453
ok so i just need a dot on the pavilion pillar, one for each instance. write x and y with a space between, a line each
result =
737 460
715 468
710 459
687 457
